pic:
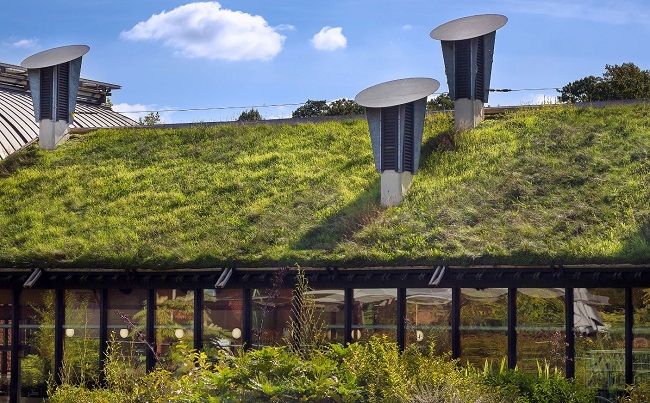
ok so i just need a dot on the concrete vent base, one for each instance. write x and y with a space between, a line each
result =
394 186
51 133
467 113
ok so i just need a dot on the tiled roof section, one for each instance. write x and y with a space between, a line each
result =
18 127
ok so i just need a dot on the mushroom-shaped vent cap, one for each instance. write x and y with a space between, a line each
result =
469 27
397 92
55 56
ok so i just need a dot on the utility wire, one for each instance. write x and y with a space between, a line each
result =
216 108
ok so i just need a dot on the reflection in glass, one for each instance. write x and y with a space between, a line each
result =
127 314
222 318
641 342
599 323
374 312
271 313
428 318
540 328
330 312
484 330
81 338
37 341
174 320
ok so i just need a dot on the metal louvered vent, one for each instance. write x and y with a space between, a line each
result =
409 139
63 91
46 92
480 71
389 131
463 61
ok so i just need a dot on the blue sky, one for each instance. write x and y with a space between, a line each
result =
169 54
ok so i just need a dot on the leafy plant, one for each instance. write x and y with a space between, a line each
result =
252 115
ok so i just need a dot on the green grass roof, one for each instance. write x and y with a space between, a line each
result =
556 185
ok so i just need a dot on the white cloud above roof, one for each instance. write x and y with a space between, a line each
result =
25 43
329 39
205 30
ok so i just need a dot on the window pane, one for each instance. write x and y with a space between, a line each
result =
222 318
37 341
127 315
330 312
271 313
374 313
641 344
599 323
540 328
428 318
81 341
483 327
174 320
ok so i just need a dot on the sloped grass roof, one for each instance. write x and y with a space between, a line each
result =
555 185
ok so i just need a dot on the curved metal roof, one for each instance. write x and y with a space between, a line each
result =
18 127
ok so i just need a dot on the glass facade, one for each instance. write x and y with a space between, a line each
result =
599 323
428 318
127 316
271 314
174 320
374 312
540 328
222 319
483 329
81 340
37 343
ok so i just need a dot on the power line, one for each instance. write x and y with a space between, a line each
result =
216 108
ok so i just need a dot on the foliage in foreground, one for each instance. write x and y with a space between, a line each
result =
372 372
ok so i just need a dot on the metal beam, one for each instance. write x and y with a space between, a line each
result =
348 303
629 336
198 319
151 329
14 386
512 328
569 335
401 318
455 323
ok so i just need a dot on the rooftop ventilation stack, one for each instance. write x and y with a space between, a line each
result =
54 82
468 51
395 112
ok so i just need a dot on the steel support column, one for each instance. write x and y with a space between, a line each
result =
455 323
151 329
348 302
629 336
512 328
401 318
569 335
59 323
198 319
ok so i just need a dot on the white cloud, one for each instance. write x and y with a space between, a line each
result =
137 111
25 43
285 27
407 27
329 39
208 31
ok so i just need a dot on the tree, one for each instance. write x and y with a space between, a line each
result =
440 103
344 106
250 116
311 109
626 81
150 118
340 107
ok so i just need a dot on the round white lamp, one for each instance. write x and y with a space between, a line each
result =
124 333
69 332
236 333
179 333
